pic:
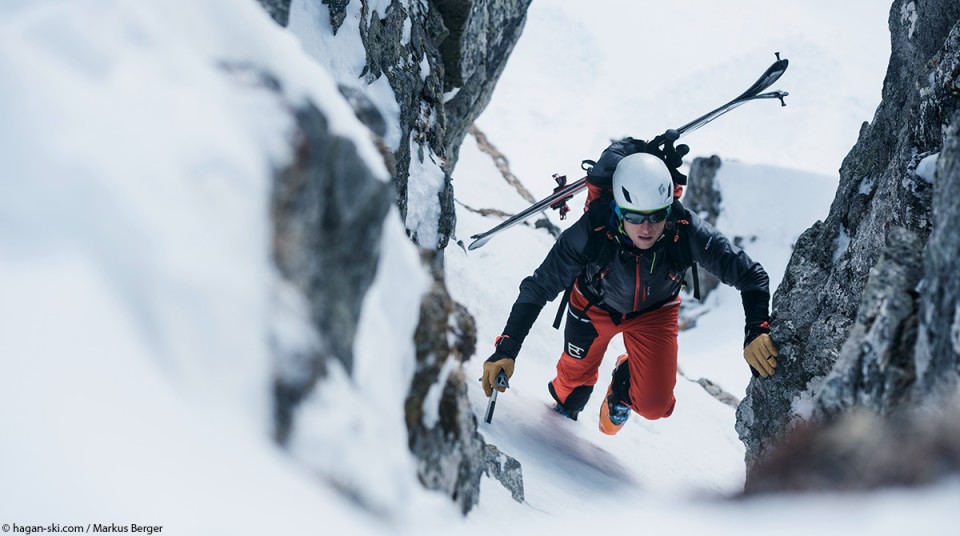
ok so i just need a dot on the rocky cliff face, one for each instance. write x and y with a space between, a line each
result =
441 60
447 443
442 425
867 314
323 223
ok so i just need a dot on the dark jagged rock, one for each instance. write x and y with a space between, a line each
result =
938 348
419 94
451 451
718 392
459 45
365 110
328 210
338 12
443 429
874 370
702 196
853 328
481 35
427 49
278 9
506 470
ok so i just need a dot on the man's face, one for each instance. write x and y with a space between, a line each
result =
644 235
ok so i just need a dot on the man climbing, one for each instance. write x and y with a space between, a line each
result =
623 266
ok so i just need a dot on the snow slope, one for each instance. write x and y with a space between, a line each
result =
138 302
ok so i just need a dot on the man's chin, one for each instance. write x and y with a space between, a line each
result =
644 244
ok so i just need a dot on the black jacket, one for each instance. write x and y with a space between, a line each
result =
635 281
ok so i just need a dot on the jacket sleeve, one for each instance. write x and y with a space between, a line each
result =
734 267
557 272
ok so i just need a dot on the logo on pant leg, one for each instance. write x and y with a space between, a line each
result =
575 351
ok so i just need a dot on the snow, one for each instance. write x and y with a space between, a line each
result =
431 402
955 330
343 54
424 68
908 14
382 94
423 191
448 96
927 167
805 404
346 424
842 243
405 32
140 309
379 7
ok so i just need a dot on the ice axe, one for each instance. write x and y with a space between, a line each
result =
501 381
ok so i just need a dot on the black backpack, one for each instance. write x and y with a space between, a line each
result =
600 172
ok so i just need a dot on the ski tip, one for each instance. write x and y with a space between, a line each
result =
479 242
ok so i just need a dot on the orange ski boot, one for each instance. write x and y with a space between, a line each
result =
613 412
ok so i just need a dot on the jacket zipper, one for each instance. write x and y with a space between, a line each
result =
646 288
640 294
636 294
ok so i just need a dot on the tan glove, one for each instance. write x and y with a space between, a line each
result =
761 354
492 368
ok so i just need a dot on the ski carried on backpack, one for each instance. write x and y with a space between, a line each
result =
662 144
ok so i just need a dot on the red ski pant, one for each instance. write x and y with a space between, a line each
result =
651 342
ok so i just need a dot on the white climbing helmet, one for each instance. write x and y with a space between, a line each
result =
642 182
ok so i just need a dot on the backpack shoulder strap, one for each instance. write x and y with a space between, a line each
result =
600 247
597 244
683 246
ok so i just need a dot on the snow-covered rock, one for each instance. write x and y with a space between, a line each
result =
853 327
430 69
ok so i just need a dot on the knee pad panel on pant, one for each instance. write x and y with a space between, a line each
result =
578 334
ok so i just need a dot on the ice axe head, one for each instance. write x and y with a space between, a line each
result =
501 380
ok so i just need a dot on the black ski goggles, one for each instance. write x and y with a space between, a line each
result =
637 218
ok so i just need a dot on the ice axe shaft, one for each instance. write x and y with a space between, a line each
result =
501 381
